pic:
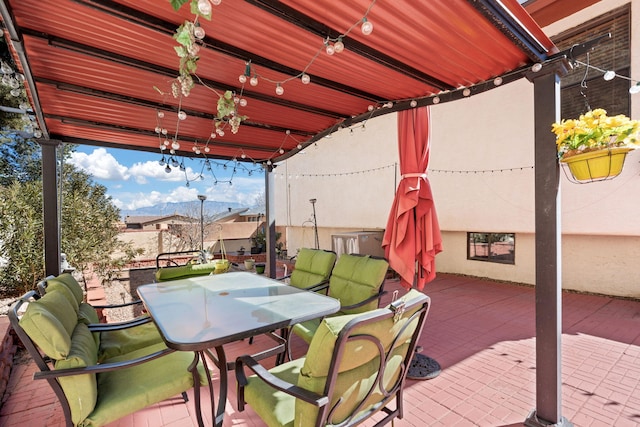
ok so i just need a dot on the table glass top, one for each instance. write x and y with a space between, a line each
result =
206 311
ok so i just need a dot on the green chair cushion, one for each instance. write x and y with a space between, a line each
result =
50 322
58 286
87 314
122 341
312 267
66 279
125 391
357 371
81 390
306 330
323 343
356 278
275 407
173 273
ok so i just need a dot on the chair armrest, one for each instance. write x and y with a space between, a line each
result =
275 382
103 367
124 304
322 286
364 302
283 277
103 327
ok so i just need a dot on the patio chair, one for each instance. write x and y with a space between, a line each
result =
356 365
115 338
357 281
312 268
92 390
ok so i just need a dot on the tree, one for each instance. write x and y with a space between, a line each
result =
21 237
89 237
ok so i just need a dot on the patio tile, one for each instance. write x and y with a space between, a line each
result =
483 335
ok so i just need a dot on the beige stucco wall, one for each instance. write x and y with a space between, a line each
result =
481 172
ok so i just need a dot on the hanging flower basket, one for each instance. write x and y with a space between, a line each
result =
597 165
594 147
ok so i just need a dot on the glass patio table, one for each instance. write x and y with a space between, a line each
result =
201 313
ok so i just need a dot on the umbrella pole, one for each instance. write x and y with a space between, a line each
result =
422 367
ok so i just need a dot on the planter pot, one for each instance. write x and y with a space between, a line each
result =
260 268
597 165
249 263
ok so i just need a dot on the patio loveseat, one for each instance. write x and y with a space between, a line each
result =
94 386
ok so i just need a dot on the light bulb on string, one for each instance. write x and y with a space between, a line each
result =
216 2
367 27
253 81
497 81
243 102
338 46
198 32
242 78
204 7
305 79
160 114
635 89
167 169
329 49
466 92
279 89
182 115
609 75
175 145
413 103
436 100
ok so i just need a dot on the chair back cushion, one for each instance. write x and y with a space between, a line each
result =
356 361
356 278
69 282
164 274
50 322
312 267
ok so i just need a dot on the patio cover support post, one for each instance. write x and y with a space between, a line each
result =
51 220
270 238
548 289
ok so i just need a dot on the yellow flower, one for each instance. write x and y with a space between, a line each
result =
595 130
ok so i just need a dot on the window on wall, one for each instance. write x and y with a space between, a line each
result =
492 247
583 88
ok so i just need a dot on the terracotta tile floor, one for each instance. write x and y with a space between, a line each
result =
482 334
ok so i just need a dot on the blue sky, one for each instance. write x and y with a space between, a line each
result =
135 179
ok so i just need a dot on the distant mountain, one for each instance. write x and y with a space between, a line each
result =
211 207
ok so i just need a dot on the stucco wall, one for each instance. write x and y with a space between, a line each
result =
481 171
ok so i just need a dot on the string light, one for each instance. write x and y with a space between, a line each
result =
609 75
330 46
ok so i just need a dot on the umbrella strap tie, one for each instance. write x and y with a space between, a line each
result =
414 175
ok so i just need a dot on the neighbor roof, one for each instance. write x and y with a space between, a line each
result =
99 71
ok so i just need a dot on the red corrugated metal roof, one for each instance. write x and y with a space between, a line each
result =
95 63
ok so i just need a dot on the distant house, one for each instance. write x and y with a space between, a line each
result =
155 222
233 229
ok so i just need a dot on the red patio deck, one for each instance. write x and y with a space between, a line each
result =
482 334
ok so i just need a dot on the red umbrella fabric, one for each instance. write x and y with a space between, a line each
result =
413 235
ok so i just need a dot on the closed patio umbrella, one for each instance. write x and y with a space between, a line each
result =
412 238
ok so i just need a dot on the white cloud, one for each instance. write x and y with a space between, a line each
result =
148 171
100 165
